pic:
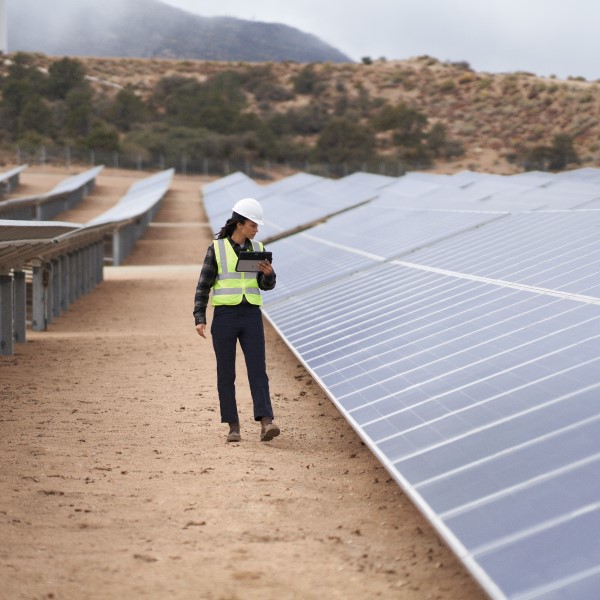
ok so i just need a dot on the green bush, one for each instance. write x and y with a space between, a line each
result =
268 91
307 81
345 140
407 122
65 75
103 137
35 116
126 109
555 157
307 120
79 111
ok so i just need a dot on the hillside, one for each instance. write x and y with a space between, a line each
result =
149 28
490 114
495 119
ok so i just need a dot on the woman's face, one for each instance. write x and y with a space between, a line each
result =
248 229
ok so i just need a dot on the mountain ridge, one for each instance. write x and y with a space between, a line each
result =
152 29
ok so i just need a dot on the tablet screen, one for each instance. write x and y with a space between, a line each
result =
248 261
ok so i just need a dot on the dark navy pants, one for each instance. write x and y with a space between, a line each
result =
244 323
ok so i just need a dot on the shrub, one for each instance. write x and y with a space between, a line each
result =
79 111
35 116
103 137
416 156
127 109
447 86
548 158
345 140
204 105
267 90
307 80
306 120
437 138
65 75
461 64
407 123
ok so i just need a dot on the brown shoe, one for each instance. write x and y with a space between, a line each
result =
268 429
234 433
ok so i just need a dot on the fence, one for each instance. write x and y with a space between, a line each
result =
199 165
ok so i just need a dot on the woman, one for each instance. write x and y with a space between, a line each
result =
237 316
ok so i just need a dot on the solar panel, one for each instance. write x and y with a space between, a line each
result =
10 179
294 202
219 196
293 182
557 250
142 198
76 181
462 347
389 231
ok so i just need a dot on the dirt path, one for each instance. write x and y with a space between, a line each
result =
116 481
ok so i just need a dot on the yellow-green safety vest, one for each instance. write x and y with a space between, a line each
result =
230 286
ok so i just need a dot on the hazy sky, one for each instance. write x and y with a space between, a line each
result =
546 37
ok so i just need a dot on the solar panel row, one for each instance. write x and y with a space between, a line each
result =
455 322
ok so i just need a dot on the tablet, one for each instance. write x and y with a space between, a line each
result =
248 261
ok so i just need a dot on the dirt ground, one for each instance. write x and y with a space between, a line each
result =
115 478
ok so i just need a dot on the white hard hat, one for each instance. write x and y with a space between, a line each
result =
249 208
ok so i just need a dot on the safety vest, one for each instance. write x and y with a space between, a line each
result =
230 286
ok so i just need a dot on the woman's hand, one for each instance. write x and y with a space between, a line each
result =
265 267
201 329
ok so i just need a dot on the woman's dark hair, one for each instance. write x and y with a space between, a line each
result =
229 227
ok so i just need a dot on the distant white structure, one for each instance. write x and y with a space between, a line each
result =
3 28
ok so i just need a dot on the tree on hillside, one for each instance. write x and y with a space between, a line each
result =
126 109
103 137
408 124
344 140
79 112
563 152
305 120
214 104
35 116
64 76
549 158
307 81
439 144
22 82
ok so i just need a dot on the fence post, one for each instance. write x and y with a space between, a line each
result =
139 162
205 166
116 159
184 165
92 157
68 157
42 155
18 154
